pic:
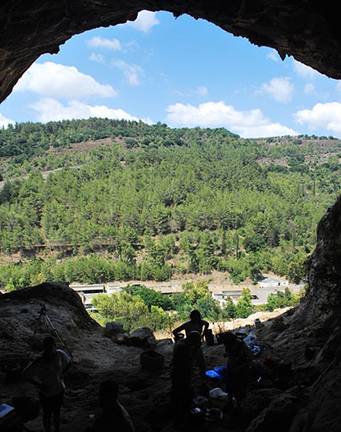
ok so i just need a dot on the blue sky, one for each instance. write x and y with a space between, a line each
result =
183 72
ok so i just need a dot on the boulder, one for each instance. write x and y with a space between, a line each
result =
113 329
257 400
142 337
277 416
121 338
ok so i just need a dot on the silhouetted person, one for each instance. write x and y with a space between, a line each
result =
181 374
196 325
113 417
46 373
239 360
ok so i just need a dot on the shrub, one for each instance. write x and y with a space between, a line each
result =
244 306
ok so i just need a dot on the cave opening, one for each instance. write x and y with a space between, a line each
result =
315 323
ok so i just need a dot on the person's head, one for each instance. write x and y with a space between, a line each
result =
49 346
108 392
195 315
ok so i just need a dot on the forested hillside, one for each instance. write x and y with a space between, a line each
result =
126 200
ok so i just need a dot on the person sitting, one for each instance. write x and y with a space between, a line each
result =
46 373
239 360
113 417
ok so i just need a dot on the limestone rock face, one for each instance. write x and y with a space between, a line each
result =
320 317
277 416
325 266
308 30
95 356
311 339
21 329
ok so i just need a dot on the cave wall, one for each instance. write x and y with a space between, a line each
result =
324 274
308 30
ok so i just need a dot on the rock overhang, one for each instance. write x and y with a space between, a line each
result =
307 30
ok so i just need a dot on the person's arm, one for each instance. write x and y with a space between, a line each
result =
206 325
66 360
179 329
127 418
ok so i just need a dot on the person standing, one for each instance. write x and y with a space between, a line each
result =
198 327
181 375
46 373
195 324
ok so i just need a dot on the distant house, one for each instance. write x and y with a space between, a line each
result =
112 288
87 292
88 289
273 283
222 296
219 297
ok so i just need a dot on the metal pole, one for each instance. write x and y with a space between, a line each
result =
50 326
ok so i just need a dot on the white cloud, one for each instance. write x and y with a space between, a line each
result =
280 88
97 58
99 42
52 110
322 115
248 124
273 55
130 71
201 91
4 121
304 71
145 21
309 89
56 80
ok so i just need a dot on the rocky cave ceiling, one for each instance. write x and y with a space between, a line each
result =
307 29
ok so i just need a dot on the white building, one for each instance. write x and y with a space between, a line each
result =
87 292
222 296
111 288
273 283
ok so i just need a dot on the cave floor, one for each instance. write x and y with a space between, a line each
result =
144 394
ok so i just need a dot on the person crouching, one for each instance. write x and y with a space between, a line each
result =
112 416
